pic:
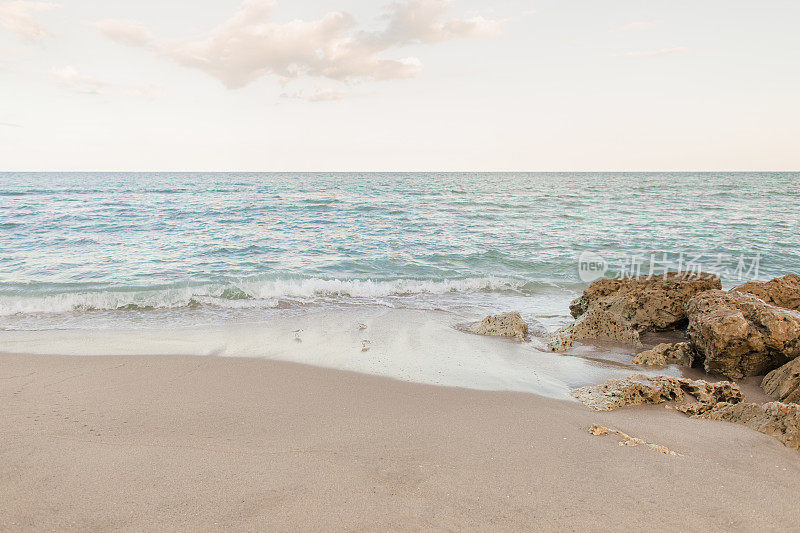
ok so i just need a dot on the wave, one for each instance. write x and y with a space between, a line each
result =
247 293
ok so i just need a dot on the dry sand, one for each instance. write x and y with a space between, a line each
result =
197 443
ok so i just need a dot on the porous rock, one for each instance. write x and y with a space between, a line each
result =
778 419
780 292
783 383
622 309
693 396
505 325
740 335
678 353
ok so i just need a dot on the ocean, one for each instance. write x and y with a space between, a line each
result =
153 250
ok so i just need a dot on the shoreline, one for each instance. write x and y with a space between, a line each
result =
187 442
410 345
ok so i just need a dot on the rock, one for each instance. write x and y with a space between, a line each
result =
622 309
783 383
597 429
679 353
593 325
780 420
627 440
694 396
505 325
740 335
559 341
780 292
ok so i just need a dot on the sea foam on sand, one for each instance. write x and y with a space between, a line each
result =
410 345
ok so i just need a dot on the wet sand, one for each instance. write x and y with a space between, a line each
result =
410 345
212 443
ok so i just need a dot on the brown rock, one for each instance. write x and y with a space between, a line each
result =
780 292
505 325
693 396
784 383
622 309
780 420
739 335
559 341
679 353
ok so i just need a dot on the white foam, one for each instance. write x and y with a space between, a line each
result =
411 345
247 293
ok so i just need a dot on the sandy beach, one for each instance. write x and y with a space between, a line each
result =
211 443
402 265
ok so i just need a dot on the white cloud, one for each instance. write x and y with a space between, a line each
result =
71 79
74 80
656 53
418 21
320 94
638 25
130 33
326 95
17 17
250 45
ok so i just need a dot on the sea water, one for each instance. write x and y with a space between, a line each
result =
372 272
87 250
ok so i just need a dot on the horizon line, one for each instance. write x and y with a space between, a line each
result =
387 171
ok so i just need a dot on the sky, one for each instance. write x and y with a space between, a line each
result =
399 85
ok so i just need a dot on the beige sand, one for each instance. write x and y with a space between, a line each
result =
145 443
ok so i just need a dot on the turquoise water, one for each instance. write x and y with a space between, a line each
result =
84 250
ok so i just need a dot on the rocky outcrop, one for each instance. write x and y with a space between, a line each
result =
593 325
780 292
679 353
693 396
698 398
783 383
780 420
622 309
740 335
505 325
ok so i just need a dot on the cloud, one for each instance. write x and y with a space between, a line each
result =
637 26
251 45
74 80
130 33
326 95
16 17
656 53
418 21
70 78
319 95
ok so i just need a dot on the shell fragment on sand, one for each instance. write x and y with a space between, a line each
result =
627 440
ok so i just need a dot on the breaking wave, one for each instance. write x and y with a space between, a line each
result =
244 294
